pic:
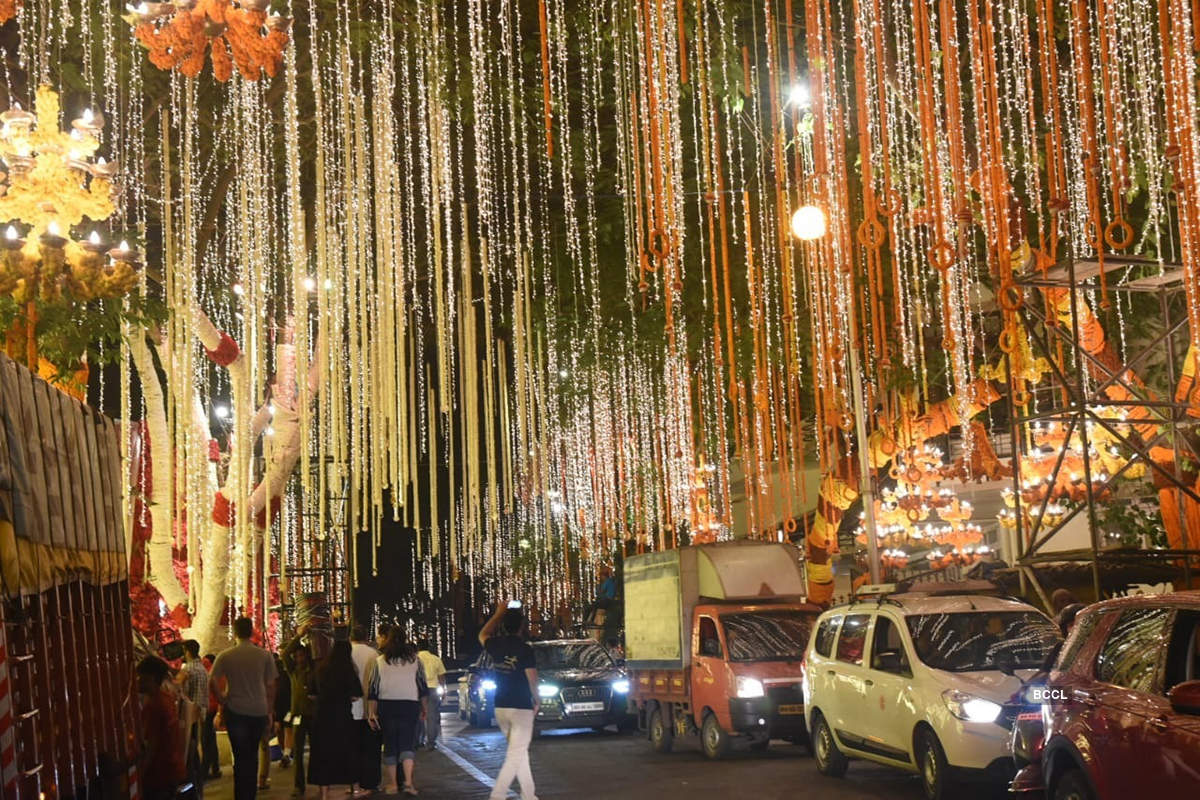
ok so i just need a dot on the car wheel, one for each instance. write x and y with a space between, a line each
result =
1072 786
661 734
713 739
931 760
830 760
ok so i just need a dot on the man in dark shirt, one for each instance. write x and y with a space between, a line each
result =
516 695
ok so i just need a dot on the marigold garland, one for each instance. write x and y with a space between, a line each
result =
239 34
8 10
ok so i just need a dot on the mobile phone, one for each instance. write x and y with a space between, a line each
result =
514 603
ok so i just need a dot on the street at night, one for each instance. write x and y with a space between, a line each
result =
600 399
586 765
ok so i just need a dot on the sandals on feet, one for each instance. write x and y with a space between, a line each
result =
410 790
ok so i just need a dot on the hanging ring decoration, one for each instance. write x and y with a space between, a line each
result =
1119 234
889 206
1008 341
648 265
660 243
790 525
914 515
871 233
1010 297
942 255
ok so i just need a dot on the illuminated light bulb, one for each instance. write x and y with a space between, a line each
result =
238 290
94 237
11 233
124 245
269 431
88 116
222 412
271 409
309 285
808 223
797 95
52 228
328 283
562 373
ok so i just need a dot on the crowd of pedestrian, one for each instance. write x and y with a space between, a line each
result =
332 720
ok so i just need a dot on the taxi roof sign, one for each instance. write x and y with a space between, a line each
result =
874 589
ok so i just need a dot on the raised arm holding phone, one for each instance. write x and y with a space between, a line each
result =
504 637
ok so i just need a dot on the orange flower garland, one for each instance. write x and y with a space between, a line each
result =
239 34
8 10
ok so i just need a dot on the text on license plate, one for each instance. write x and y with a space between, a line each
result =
583 708
792 708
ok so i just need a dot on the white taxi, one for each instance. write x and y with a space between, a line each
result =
917 680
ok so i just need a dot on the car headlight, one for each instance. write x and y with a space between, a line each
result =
547 690
621 686
749 687
488 685
969 707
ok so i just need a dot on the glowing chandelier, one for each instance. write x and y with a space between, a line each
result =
52 185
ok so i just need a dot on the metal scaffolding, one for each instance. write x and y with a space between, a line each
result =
317 557
1076 392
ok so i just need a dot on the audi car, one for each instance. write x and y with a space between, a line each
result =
581 685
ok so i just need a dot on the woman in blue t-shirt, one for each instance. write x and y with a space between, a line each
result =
516 700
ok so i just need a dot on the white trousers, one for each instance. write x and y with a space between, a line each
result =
517 726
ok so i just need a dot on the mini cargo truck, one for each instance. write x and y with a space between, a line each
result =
714 638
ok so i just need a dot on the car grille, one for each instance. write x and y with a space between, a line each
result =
785 695
586 694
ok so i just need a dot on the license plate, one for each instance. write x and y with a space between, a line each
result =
792 708
583 708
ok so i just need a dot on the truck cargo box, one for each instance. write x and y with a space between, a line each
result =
662 589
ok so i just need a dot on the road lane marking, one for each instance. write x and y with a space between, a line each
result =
466 766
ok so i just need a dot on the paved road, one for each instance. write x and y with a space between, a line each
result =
584 765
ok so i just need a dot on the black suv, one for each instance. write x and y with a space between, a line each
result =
581 686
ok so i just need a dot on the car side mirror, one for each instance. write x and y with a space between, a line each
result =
1185 698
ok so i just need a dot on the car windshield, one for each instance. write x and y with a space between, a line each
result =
972 641
571 655
767 635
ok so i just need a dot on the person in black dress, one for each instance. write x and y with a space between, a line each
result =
332 758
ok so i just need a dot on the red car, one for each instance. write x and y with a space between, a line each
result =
1121 709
